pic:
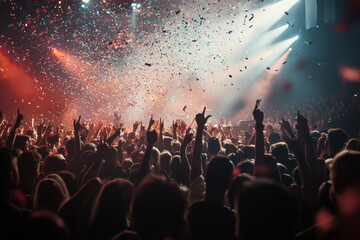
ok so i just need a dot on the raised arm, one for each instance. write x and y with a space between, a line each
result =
74 164
40 134
184 159
112 138
196 169
311 181
259 140
151 138
11 138
77 128
161 140
46 135
174 129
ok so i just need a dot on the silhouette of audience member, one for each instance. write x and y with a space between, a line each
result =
44 225
264 210
158 210
49 195
13 217
29 172
210 219
110 211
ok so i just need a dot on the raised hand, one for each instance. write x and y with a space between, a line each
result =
118 131
151 122
40 128
77 124
188 136
19 118
285 128
161 125
201 119
302 123
182 127
257 114
151 137
135 126
174 128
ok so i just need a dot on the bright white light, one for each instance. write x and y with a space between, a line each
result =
266 39
135 6
272 13
85 1
290 49
296 37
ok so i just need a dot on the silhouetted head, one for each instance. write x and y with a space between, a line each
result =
54 163
274 138
111 156
21 142
158 209
249 152
165 159
336 140
69 180
219 174
345 170
265 210
54 140
70 147
214 146
46 225
29 169
49 195
176 172
353 144
280 151
235 186
246 166
345 179
110 209
9 176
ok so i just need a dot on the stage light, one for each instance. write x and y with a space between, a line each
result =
296 37
290 49
135 6
85 1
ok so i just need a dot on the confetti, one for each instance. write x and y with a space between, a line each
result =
252 17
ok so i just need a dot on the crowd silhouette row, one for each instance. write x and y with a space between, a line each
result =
277 179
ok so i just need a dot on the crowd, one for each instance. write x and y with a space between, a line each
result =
289 175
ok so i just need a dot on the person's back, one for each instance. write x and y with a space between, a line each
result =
46 225
158 210
265 211
29 170
12 217
110 170
111 207
336 141
210 219
49 195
